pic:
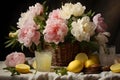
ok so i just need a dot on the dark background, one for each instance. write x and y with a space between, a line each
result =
10 12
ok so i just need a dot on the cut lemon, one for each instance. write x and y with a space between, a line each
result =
82 57
115 68
22 68
34 64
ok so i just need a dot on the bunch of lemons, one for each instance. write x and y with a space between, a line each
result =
82 60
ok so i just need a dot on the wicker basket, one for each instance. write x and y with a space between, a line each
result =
65 53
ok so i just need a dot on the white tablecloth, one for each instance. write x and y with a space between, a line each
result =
108 75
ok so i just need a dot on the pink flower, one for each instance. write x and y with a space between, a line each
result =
28 35
27 18
37 9
15 58
99 22
56 28
55 31
55 14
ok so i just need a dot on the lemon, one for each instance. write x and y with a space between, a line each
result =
94 57
75 66
89 63
22 68
82 57
115 68
34 64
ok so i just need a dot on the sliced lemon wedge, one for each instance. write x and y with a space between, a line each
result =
34 64
82 57
115 68
22 68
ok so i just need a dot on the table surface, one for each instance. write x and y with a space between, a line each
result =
107 75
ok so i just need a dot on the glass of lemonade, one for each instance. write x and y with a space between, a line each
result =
43 60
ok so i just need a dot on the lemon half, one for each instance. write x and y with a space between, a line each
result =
115 68
22 68
82 57
34 64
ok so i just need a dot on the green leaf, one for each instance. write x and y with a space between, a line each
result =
89 13
11 42
13 28
61 71
12 70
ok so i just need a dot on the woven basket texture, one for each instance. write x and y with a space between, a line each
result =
65 53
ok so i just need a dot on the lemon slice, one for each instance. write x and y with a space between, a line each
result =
82 57
75 66
34 64
115 68
22 68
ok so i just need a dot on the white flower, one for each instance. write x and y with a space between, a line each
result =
83 29
72 9
66 11
88 26
78 9
25 19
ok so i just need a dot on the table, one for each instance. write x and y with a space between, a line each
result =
107 75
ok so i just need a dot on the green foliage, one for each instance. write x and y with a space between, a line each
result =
12 70
61 71
89 13
90 46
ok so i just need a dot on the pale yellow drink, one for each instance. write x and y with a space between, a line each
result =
43 60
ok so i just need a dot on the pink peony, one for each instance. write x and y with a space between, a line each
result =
55 14
55 31
14 58
99 22
56 28
27 18
37 9
28 35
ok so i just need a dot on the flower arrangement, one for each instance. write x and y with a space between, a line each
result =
69 23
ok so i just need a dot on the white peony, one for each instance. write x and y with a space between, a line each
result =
66 11
78 9
83 29
88 26
70 9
